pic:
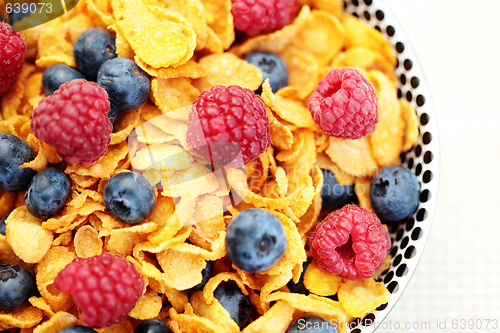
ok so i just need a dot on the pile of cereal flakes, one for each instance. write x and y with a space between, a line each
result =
195 49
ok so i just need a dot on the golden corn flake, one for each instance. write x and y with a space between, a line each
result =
192 323
7 202
411 125
362 190
173 94
23 317
213 311
220 20
335 7
57 322
324 162
303 70
182 270
353 157
320 282
191 69
361 297
87 242
147 306
277 319
53 49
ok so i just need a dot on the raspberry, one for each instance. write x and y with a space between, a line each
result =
254 17
225 121
350 242
12 50
74 121
104 287
344 104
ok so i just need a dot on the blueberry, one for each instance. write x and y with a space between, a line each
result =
206 274
272 67
16 286
56 75
255 240
127 85
395 193
3 226
235 302
13 153
129 197
153 326
333 194
16 16
299 287
77 329
312 324
92 48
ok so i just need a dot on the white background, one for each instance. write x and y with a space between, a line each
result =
457 43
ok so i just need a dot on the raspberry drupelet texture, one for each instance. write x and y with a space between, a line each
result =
254 17
350 242
344 104
12 51
104 287
74 121
225 121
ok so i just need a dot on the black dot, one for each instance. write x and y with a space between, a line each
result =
408 64
409 96
367 15
368 2
354 324
402 78
355 14
410 252
415 82
424 118
410 224
427 138
400 235
397 260
399 93
402 270
418 150
345 5
400 47
378 28
394 250
410 163
388 277
393 287
355 2
356 330
428 156
390 30
382 307
417 233
397 63
421 214
427 177
425 195
404 242
402 157
368 320
420 100
380 15
418 169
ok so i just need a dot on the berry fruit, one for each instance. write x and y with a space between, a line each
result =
129 197
350 242
91 49
311 324
344 104
12 51
333 194
254 17
13 153
104 287
17 285
74 121
56 75
127 85
227 121
255 240
395 193
47 193
3 226
153 326
272 67
206 274
77 329
235 302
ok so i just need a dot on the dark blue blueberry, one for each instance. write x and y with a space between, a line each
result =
153 326
272 68
77 329
13 153
235 302
255 240
127 85
92 48
299 287
47 193
206 274
333 194
312 324
16 286
3 226
129 197
56 75
113 115
16 16
395 193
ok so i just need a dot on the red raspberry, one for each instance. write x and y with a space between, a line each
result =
344 104
350 242
104 287
74 121
254 17
225 121
12 50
